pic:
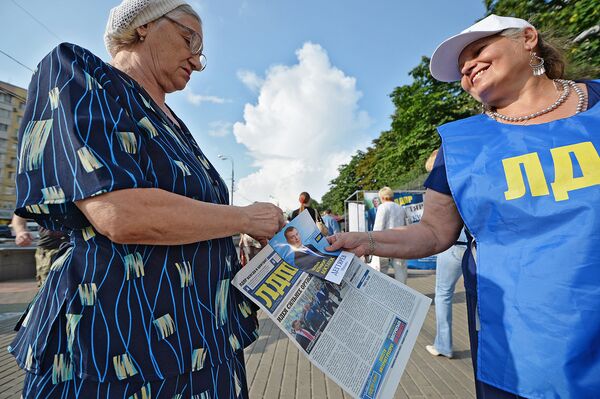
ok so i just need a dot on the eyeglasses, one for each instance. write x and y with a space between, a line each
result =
194 42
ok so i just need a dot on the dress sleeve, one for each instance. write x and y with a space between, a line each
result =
437 179
76 139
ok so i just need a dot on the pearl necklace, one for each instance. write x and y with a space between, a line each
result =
566 86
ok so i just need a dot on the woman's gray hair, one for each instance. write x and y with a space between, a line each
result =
554 60
118 41
386 193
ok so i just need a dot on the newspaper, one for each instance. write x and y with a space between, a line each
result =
302 245
360 333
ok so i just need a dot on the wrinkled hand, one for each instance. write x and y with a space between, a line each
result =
23 239
357 243
263 221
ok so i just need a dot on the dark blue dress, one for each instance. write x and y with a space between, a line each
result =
112 319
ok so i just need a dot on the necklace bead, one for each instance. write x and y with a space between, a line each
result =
566 86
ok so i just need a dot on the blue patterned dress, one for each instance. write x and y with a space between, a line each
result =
118 320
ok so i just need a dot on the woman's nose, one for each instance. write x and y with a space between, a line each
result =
467 67
195 61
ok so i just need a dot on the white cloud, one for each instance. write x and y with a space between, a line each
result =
305 124
197 99
250 79
219 128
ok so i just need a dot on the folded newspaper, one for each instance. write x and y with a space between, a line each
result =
302 245
360 332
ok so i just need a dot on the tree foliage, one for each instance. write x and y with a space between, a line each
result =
398 155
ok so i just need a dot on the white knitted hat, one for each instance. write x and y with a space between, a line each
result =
135 13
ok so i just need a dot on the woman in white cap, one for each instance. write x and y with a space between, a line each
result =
524 177
140 303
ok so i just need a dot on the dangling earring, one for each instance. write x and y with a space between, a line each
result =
537 64
142 38
485 108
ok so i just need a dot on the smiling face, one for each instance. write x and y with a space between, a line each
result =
495 68
168 56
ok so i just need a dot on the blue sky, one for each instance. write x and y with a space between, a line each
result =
292 89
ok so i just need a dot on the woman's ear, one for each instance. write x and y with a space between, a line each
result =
530 37
142 31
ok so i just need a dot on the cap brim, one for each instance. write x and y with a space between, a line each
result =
444 61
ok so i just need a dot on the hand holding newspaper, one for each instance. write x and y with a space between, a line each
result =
360 332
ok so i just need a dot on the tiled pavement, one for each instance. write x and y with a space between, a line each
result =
277 370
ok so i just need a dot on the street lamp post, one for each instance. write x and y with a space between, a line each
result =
224 157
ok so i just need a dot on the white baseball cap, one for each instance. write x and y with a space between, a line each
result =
444 61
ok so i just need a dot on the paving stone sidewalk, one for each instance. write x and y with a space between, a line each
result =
275 367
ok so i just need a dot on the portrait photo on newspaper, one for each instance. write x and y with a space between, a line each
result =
302 245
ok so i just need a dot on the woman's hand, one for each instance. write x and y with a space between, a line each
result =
357 243
263 220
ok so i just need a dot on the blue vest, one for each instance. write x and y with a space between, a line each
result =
531 197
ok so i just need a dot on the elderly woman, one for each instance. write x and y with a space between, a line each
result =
524 179
140 303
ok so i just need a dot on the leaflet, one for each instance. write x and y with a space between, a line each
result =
360 333
302 245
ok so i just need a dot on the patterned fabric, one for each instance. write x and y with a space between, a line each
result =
43 262
111 312
225 380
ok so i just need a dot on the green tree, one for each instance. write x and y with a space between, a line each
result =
343 186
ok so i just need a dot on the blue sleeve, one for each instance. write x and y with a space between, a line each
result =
437 179
593 87
336 227
76 139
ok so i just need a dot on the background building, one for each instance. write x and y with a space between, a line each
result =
12 105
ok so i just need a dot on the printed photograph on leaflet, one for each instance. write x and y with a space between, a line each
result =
311 312
302 245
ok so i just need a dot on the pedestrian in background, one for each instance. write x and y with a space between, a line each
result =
332 225
48 244
249 248
448 268
389 215
304 199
